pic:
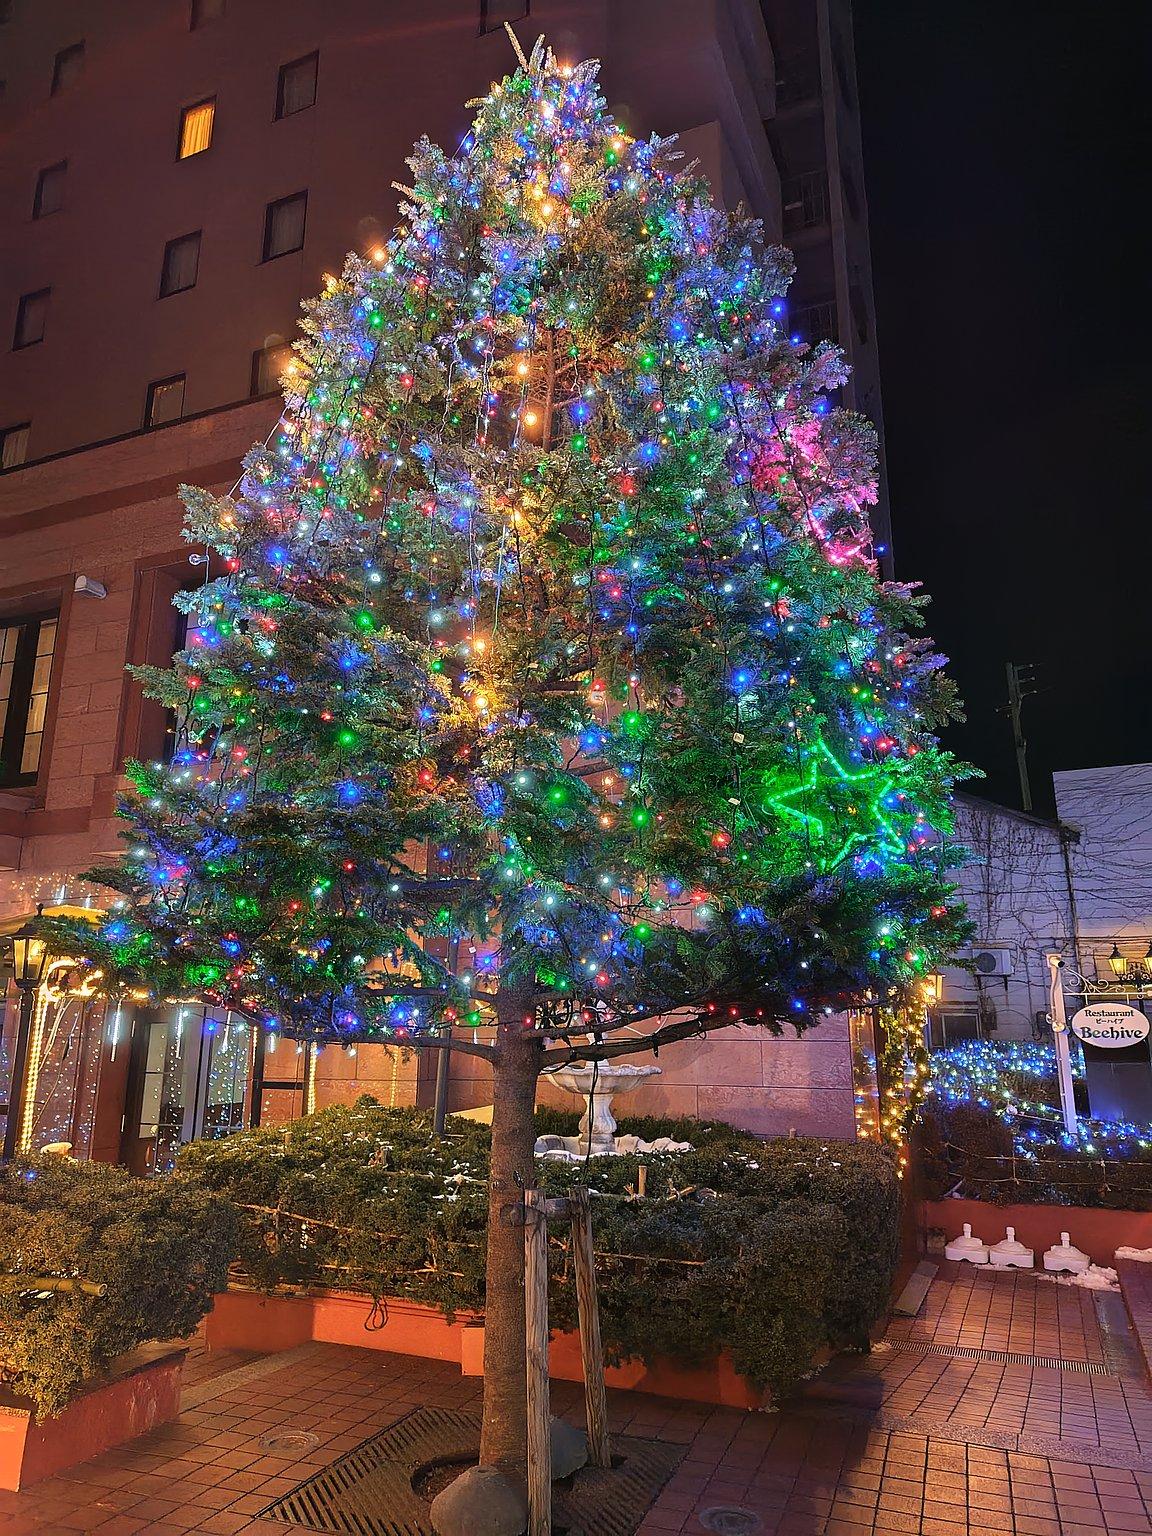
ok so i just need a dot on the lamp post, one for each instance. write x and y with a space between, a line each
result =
29 951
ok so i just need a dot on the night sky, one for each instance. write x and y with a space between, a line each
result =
1006 184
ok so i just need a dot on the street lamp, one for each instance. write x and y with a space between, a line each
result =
1117 963
29 950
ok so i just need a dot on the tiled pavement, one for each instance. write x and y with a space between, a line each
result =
896 1443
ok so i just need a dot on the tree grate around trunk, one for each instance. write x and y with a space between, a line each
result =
370 1492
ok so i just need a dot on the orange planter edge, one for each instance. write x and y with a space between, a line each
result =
141 1392
1098 1232
248 1320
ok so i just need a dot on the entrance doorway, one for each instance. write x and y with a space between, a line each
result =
191 1076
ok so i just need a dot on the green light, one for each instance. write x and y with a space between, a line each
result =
346 738
641 816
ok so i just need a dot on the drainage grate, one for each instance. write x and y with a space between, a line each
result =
369 1491
999 1357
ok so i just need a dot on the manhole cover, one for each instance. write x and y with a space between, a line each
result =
290 1440
728 1520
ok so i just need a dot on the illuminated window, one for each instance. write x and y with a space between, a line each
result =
14 445
26 649
267 366
31 317
165 401
284 225
69 62
494 13
196 128
49 196
296 87
181 262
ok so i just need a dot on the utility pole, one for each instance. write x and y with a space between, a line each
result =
1019 674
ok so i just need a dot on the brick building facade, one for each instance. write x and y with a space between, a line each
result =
183 173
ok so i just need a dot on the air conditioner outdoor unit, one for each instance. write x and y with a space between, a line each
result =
993 959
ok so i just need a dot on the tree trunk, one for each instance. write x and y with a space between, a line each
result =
504 1435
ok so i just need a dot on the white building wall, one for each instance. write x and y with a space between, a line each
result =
1111 811
1016 891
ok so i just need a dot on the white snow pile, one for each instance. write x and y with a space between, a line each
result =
1097 1277
1143 1254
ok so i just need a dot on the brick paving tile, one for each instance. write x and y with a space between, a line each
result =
816 1471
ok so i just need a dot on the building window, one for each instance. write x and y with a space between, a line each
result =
165 401
805 200
69 63
494 13
181 261
26 649
49 196
31 316
196 128
797 78
267 366
814 322
284 225
296 87
204 11
14 445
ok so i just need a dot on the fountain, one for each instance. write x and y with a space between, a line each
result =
597 1083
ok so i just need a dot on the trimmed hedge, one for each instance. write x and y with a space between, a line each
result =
968 1148
160 1247
770 1250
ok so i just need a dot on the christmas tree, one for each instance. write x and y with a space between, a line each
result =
544 694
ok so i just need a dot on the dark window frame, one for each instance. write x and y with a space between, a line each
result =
193 106
5 434
488 26
14 734
61 63
254 390
38 209
165 292
196 18
150 401
269 216
312 58
21 310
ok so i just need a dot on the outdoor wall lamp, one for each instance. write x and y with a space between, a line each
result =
1116 962
29 950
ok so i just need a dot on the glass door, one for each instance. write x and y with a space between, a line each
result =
190 1079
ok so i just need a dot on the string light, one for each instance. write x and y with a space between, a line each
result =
620 709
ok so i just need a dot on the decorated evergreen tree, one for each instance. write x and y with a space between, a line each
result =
544 692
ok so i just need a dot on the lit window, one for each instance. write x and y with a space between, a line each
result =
196 128
26 650
296 88
181 261
31 317
69 62
204 11
284 225
14 445
267 366
165 401
494 13
49 196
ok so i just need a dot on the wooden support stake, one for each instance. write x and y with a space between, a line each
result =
536 1327
591 1348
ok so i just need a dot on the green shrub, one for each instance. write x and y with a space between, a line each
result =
968 1149
160 1247
769 1249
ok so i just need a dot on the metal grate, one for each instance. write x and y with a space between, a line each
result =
998 1356
369 1491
